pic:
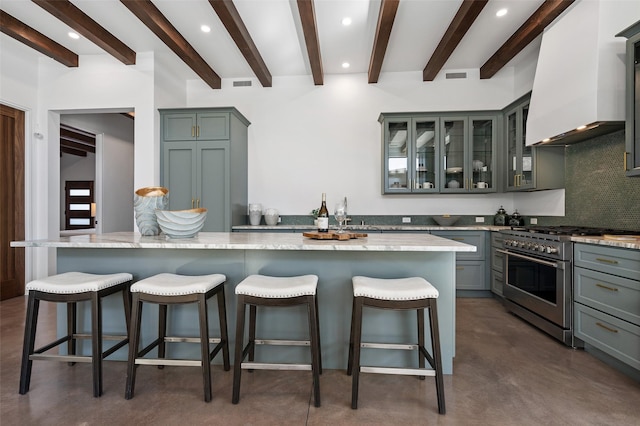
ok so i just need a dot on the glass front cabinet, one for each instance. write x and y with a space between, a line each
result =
429 153
519 155
410 154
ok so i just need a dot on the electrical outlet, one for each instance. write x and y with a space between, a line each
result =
406 220
479 219
534 220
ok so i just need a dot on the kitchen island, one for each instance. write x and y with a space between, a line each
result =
238 255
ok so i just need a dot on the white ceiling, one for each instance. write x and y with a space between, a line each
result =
275 28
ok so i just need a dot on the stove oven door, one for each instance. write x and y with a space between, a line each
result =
540 285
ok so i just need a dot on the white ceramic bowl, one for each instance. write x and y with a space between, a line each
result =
445 220
181 223
271 217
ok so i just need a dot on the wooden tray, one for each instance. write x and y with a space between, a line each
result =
333 235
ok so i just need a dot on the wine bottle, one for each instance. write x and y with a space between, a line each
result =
323 215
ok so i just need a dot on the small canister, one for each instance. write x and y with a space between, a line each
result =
516 219
500 218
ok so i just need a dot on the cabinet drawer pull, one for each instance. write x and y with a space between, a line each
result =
613 330
610 261
458 239
193 131
606 287
192 203
198 131
459 268
624 161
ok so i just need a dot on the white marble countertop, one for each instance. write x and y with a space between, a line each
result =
633 245
372 228
254 241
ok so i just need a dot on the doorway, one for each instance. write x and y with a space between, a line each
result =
12 145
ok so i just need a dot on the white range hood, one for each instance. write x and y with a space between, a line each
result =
580 75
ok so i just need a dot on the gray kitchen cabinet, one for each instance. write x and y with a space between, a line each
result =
206 173
632 105
529 167
471 267
497 264
607 300
426 153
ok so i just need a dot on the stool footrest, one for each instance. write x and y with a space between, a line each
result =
274 366
282 342
104 336
173 339
62 358
170 362
402 346
400 371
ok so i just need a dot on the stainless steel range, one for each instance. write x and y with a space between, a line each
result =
538 276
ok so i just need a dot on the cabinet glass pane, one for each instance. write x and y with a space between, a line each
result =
527 155
482 154
512 143
454 153
398 154
425 166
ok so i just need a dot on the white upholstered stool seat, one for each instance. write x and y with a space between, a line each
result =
70 288
177 285
413 293
169 289
411 288
262 290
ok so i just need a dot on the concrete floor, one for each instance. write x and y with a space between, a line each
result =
505 373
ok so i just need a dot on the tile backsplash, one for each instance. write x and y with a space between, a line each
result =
597 192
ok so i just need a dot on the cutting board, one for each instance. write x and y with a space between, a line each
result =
333 235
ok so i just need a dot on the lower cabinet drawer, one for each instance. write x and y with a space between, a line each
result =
470 275
610 294
611 335
497 282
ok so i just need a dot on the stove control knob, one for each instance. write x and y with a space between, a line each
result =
532 246
542 248
521 244
552 250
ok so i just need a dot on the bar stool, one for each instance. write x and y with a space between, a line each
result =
170 289
70 288
397 294
276 291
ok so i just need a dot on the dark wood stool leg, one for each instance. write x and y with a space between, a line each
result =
31 322
126 300
204 346
134 335
350 360
252 332
238 355
162 331
224 335
315 348
357 336
71 329
420 339
96 343
315 300
435 339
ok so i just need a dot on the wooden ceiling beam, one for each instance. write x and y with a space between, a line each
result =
310 30
72 151
25 34
460 24
386 17
65 11
232 21
533 27
76 135
146 11
67 143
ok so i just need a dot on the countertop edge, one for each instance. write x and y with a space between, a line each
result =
606 242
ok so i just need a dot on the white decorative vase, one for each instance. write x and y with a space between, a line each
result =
145 202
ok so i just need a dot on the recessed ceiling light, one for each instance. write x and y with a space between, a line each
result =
501 12
346 21
205 28
73 35
346 65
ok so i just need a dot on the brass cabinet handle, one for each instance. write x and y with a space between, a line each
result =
193 131
458 239
198 131
610 261
459 268
606 287
613 330
624 160
192 202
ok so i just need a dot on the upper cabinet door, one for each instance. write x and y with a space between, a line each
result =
484 165
179 127
454 155
212 126
631 160
426 137
397 152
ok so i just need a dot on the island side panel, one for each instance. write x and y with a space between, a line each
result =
334 268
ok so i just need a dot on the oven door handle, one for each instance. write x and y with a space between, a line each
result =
558 265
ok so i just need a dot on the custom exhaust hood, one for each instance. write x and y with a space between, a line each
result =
579 86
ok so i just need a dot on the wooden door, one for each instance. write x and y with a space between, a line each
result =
11 201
